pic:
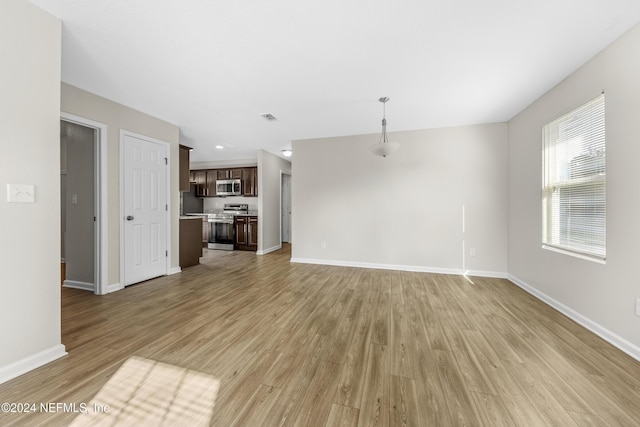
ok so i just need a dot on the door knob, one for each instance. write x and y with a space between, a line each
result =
129 218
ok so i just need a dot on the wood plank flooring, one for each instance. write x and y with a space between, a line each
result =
310 345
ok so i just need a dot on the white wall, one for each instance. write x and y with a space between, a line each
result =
29 154
116 116
404 211
269 169
600 296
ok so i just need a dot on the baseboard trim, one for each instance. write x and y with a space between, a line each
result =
32 362
401 267
612 338
174 270
491 274
114 287
272 249
76 284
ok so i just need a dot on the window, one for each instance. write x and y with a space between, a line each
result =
574 205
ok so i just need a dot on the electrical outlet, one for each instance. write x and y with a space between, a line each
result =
472 252
323 244
638 306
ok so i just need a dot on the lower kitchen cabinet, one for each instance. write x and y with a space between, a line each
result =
246 233
190 241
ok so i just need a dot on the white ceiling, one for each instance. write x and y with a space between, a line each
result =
212 67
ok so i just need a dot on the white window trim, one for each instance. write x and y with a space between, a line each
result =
546 232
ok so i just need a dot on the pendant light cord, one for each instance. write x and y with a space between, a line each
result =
383 137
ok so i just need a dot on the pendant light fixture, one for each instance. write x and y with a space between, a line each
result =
383 148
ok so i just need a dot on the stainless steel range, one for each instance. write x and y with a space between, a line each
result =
221 227
236 208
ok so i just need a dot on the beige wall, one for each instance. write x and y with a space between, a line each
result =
601 297
116 117
29 154
404 211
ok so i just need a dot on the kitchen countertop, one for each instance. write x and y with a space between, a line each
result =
200 215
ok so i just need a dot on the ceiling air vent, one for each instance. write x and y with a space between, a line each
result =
270 117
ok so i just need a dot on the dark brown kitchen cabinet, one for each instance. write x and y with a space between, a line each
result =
250 182
200 178
211 183
190 241
235 173
184 168
246 233
206 180
241 231
252 238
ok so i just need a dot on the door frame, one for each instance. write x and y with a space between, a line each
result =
100 199
123 134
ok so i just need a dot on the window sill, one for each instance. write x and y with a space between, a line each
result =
602 261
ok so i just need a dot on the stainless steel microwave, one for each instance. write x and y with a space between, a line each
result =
229 187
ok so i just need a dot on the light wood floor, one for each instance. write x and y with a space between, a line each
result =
311 345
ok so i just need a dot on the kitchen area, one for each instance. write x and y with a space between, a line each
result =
218 210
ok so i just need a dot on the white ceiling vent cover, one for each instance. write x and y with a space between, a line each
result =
270 117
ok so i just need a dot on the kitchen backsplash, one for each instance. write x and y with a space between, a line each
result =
217 203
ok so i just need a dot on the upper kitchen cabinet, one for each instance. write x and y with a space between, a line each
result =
250 182
235 173
211 183
206 180
184 168
200 178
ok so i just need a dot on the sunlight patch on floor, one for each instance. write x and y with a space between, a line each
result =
146 392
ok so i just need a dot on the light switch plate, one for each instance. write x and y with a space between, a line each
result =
21 193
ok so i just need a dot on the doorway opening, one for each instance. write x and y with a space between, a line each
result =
285 208
81 194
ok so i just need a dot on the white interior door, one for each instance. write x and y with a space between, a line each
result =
144 208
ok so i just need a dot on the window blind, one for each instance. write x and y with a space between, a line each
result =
574 205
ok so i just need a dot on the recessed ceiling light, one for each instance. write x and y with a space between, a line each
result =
219 147
287 153
270 117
